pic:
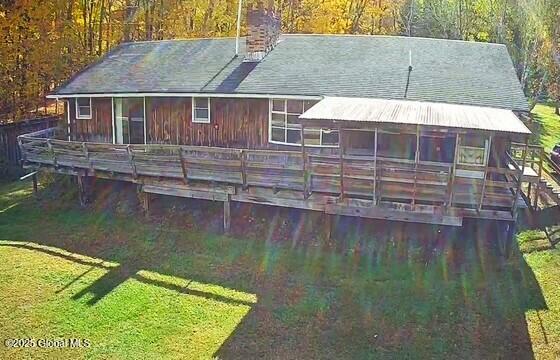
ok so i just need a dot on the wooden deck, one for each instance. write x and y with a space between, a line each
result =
364 186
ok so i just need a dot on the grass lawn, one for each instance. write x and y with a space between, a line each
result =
546 126
173 287
167 289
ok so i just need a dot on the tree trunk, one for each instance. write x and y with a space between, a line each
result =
100 28
557 111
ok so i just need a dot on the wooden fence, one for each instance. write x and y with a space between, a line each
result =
348 176
9 150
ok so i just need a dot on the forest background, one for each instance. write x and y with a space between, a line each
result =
44 42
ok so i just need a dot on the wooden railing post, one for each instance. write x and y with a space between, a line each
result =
22 150
487 160
243 158
453 171
86 154
341 160
183 166
51 150
304 164
131 160
538 186
375 168
416 160
520 179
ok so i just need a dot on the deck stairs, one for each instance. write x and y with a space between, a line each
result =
553 235
552 189
550 181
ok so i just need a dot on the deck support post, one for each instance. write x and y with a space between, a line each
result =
82 190
35 187
510 234
144 199
328 227
227 215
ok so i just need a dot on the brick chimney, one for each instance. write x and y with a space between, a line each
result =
264 31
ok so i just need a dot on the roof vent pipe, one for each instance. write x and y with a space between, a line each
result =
409 71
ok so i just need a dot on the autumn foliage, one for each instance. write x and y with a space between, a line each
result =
45 42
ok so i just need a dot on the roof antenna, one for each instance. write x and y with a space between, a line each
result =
409 71
238 28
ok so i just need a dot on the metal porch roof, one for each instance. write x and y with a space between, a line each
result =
416 113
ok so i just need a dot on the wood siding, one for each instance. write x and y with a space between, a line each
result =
97 129
241 123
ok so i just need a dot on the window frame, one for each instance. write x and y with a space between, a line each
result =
194 108
128 119
286 113
78 114
485 154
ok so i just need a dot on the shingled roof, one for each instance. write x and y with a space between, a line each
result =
444 71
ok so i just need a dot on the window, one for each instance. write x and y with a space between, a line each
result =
395 145
360 142
473 150
83 108
285 129
129 120
201 110
437 148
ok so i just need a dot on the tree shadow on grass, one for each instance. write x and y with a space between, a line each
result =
465 303
380 290
115 276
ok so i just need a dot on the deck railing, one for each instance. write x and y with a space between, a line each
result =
348 176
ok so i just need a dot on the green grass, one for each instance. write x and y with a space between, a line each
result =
544 325
41 299
167 289
170 288
546 127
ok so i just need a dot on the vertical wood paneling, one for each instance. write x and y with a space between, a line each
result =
234 123
97 129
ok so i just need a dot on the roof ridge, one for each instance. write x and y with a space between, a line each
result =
178 39
390 36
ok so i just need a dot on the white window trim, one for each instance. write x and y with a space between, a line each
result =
286 113
114 120
193 102
78 116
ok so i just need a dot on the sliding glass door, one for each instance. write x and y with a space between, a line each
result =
129 120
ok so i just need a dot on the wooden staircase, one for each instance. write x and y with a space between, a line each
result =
553 235
540 174
552 189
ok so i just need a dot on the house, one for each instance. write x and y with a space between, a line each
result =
387 127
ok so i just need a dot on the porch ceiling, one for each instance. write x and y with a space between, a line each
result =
415 113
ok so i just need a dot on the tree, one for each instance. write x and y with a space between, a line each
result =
45 42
